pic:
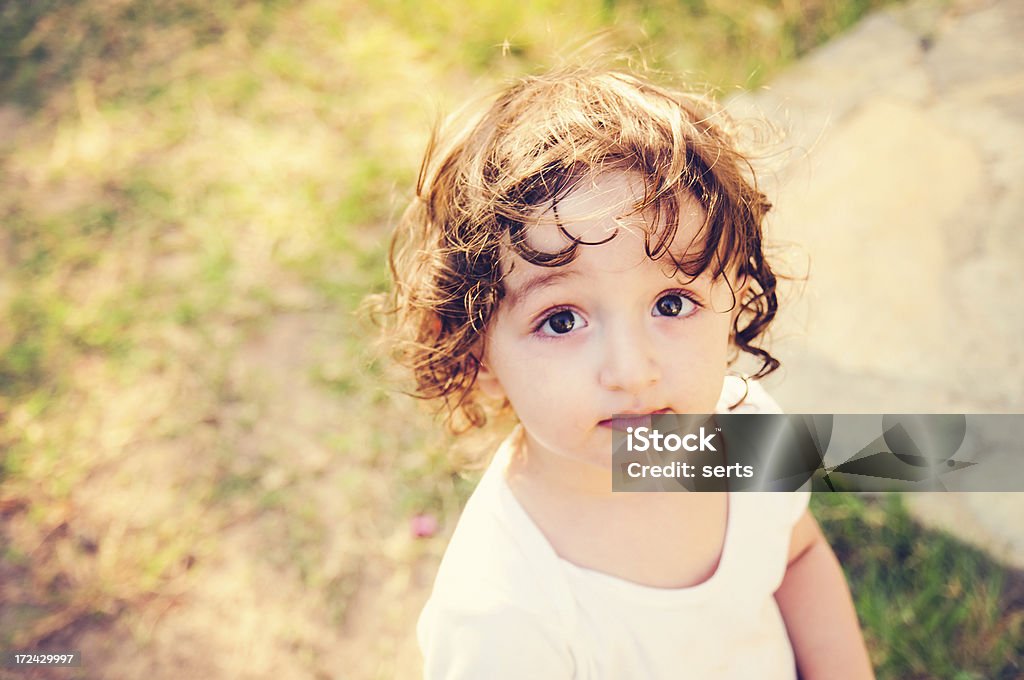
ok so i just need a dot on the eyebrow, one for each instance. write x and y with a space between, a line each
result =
516 296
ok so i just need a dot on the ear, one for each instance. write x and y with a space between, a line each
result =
486 379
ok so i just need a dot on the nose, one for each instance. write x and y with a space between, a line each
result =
629 363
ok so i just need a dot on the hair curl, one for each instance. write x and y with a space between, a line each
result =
480 184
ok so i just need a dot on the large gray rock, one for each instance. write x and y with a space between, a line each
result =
903 188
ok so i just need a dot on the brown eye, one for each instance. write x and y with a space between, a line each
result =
673 304
560 323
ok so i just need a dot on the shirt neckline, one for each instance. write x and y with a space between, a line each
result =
654 595
649 595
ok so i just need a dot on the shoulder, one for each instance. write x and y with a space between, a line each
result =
746 395
491 639
771 512
496 552
499 606
767 518
763 532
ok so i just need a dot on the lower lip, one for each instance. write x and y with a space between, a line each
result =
624 422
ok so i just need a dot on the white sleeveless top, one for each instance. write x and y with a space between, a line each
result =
505 605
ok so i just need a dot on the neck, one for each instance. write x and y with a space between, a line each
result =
533 465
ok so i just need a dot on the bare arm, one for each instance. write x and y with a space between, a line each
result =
816 606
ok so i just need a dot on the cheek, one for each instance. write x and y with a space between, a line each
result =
697 364
703 339
534 379
541 388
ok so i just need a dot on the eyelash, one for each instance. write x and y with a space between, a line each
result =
686 296
538 327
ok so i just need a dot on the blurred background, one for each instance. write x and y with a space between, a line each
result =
206 470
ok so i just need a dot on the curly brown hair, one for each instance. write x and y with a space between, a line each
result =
480 184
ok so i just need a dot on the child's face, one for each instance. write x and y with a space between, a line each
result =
611 332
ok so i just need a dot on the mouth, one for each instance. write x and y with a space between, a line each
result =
634 420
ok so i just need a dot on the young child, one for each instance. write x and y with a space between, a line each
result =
591 245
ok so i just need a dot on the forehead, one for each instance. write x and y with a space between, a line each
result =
602 206
600 214
604 210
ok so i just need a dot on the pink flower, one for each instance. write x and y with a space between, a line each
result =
423 525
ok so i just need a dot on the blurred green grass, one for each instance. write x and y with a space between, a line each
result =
931 606
195 197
